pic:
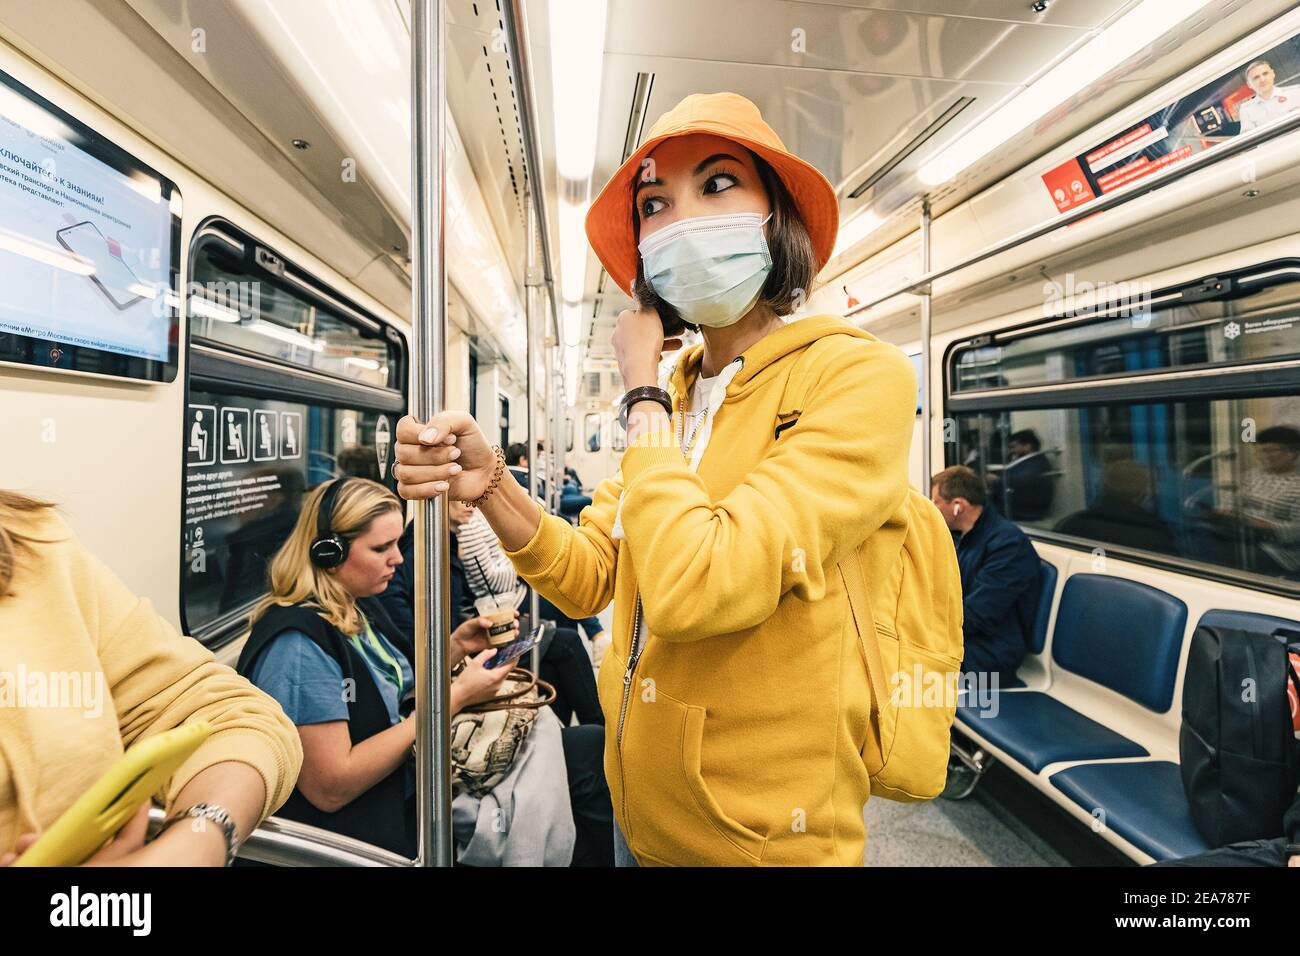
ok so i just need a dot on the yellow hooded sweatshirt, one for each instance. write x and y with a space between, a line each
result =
737 738
87 668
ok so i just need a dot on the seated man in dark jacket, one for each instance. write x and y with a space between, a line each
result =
1025 487
999 574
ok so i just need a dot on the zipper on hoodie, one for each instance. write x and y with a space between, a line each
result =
633 656
634 652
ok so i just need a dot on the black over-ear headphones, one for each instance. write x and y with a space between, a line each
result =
329 549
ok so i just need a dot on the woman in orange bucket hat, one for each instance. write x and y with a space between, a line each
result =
734 693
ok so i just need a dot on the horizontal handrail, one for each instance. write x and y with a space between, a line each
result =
289 843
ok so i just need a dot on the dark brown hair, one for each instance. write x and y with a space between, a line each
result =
958 481
794 262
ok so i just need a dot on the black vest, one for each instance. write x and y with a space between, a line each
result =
381 816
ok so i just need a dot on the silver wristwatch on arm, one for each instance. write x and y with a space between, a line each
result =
210 813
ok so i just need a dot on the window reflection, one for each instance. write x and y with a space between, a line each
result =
235 305
1265 325
1216 482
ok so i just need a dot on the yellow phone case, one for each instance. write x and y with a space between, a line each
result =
115 798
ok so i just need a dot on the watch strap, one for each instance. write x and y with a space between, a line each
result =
644 393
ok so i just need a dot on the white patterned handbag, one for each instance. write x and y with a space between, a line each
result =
486 737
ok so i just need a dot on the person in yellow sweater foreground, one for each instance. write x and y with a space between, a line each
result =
736 698
90 668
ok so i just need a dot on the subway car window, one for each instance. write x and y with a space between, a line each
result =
1265 325
1172 478
256 438
244 484
233 303
1213 482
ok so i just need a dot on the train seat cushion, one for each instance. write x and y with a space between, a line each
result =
1121 634
1037 729
1143 803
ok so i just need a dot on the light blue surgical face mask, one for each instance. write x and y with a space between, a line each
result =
711 269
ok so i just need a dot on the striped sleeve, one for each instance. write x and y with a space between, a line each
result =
486 564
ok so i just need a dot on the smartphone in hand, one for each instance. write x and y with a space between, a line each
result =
517 648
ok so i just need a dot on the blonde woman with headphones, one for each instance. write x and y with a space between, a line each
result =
324 647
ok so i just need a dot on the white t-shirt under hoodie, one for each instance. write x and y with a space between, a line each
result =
698 403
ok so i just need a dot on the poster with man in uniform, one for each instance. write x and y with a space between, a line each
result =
1270 102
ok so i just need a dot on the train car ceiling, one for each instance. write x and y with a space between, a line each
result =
1213 211
880 99
336 77
851 89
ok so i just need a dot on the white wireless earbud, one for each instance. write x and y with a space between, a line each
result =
956 510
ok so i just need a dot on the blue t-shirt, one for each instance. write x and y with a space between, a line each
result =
308 683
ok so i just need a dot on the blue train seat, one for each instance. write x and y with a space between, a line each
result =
1145 802
1046 591
1038 637
1118 633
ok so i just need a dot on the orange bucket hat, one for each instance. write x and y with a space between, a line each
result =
609 220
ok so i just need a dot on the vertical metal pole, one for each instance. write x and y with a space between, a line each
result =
557 415
516 29
562 411
429 395
548 388
926 410
532 326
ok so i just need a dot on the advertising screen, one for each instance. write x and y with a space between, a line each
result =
1257 93
88 247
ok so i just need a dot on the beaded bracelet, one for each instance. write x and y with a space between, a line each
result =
496 478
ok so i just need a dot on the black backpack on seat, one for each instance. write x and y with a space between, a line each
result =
1237 746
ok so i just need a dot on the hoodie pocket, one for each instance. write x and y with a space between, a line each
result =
673 815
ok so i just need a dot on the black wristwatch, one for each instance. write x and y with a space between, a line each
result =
643 393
